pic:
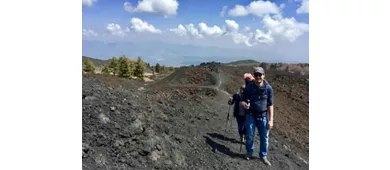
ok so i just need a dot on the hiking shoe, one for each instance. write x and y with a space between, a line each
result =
247 158
265 160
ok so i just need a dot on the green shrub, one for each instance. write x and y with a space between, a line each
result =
88 66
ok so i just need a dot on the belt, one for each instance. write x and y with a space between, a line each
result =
262 114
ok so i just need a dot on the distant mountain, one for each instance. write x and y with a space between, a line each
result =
178 54
244 62
168 54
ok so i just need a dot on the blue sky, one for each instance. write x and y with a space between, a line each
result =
266 26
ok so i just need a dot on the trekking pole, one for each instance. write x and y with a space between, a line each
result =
240 146
227 121
231 123
241 143
248 101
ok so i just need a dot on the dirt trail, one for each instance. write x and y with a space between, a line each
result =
216 86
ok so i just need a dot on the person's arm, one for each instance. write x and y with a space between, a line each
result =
270 105
246 96
249 78
231 100
247 81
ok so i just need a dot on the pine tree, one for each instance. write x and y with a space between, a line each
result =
158 68
153 70
124 70
132 65
106 70
88 66
139 68
113 65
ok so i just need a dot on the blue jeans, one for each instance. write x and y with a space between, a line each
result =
261 123
241 125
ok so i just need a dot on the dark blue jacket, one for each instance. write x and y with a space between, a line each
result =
236 100
260 97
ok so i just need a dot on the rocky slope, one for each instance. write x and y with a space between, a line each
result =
135 125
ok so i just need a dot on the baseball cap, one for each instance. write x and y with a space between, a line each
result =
258 70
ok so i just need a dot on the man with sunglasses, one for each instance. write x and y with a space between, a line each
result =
258 99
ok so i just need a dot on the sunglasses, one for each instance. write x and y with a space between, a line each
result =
257 74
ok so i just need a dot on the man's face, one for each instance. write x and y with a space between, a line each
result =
258 76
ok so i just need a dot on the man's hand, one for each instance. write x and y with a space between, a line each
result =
270 117
246 105
270 124
248 76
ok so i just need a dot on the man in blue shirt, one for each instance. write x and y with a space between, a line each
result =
258 99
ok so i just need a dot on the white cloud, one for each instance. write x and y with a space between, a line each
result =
258 8
209 31
275 28
281 6
222 13
115 29
304 7
252 39
180 30
89 33
287 28
263 38
127 6
238 10
239 38
164 7
142 26
89 3
193 32
231 26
